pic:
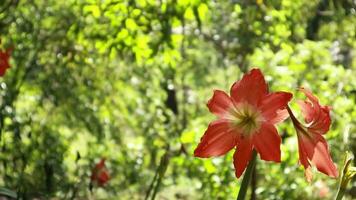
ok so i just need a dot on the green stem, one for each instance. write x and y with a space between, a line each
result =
340 193
247 177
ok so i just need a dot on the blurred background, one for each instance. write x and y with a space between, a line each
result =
129 81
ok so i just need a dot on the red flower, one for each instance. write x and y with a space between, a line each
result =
4 61
246 120
313 148
100 174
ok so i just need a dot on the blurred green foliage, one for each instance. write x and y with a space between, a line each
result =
129 80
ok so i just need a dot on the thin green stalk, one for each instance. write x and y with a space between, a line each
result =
247 177
340 193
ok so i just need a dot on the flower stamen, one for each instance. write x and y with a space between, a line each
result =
246 118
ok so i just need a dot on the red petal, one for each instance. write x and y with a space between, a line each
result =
307 110
272 106
217 140
101 164
267 143
103 178
322 124
309 95
220 103
303 159
317 151
2 70
242 156
4 61
251 88
314 113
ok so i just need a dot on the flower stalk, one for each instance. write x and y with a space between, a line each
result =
247 177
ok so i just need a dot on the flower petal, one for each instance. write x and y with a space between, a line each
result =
307 110
272 106
318 116
217 140
4 61
322 124
309 95
220 103
251 88
315 148
303 160
103 177
267 142
242 156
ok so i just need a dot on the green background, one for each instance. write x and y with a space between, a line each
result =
129 81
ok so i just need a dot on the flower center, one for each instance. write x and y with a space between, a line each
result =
246 118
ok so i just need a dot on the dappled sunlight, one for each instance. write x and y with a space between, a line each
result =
187 99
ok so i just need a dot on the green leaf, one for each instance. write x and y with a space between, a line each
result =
188 137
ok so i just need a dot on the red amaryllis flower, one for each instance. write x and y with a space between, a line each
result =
100 174
4 61
246 121
313 148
